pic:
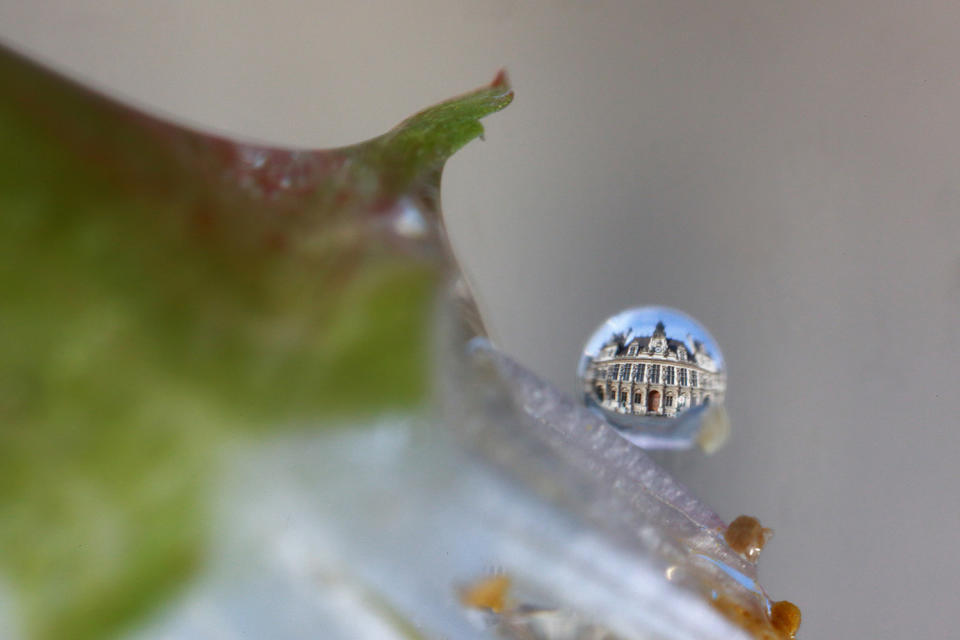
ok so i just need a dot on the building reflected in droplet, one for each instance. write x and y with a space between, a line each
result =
651 362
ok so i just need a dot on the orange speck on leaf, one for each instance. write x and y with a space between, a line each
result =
747 537
487 593
781 624
785 618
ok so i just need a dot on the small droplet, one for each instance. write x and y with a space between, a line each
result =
408 220
747 537
256 157
649 369
785 617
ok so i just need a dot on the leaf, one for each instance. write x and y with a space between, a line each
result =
167 294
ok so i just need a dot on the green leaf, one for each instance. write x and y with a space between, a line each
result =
166 295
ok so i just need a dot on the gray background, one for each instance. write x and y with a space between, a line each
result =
787 172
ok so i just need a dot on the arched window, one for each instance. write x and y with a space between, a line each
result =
638 398
668 401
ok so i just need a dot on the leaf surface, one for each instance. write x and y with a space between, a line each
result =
166 295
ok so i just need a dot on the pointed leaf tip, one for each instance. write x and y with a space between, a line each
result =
420 145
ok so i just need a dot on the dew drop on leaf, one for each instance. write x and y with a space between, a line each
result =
746 536
659 376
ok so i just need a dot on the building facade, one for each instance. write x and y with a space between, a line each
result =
653 375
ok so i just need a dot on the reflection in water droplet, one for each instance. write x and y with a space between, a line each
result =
654 372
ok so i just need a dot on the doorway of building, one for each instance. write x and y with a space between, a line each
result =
653 401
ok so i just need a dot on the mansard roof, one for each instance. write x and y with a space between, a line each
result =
673 345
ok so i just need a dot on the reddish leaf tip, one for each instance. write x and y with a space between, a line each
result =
501 79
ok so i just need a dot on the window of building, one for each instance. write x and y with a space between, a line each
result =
600 391
682 375
668 376
654 376
668 401
625 373
638 398
693 378
632 351
638 372
614 371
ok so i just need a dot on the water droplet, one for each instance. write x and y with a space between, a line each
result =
746 536
656 373
785 618
256 157
408 220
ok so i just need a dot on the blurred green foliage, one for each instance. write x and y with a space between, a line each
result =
154 313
